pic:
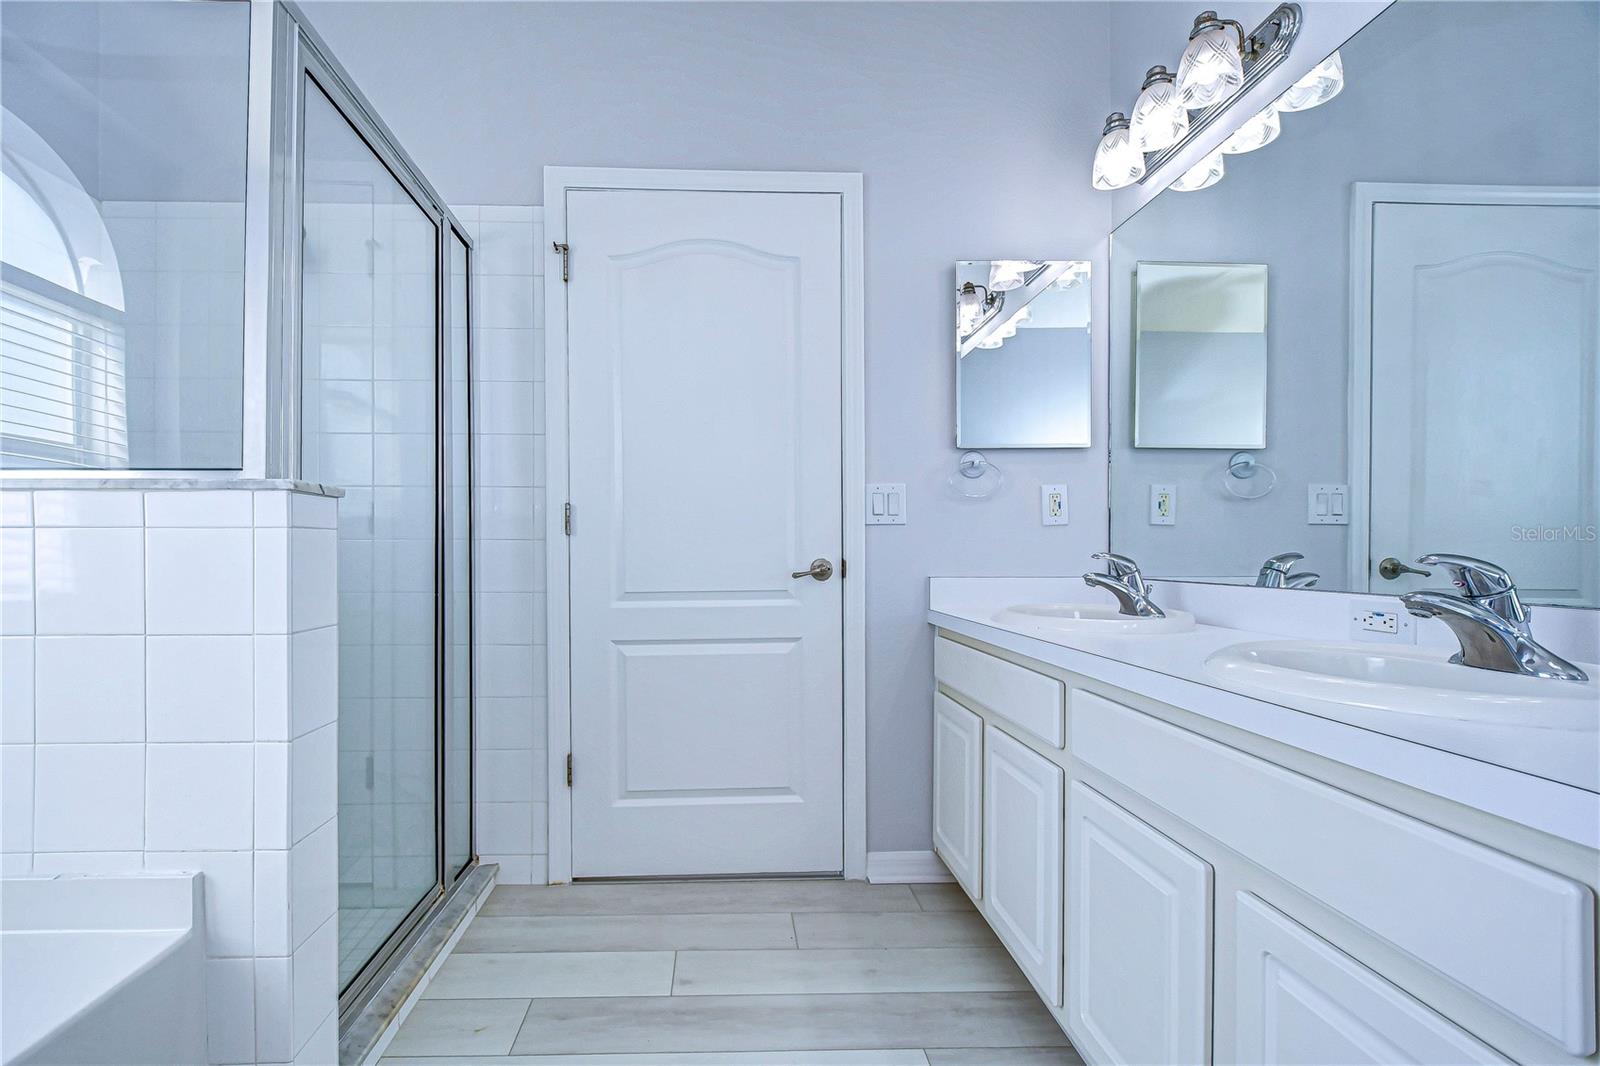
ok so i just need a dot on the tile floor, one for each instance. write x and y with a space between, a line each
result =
794 972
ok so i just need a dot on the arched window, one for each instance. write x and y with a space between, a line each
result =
62 352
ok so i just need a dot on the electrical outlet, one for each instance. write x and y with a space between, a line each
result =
1163 505
1375 623
1053 505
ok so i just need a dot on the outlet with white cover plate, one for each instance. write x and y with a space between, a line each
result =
1327 504
886 504
1382 623
1053 505
1163 505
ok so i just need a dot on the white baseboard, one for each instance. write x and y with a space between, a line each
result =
905 868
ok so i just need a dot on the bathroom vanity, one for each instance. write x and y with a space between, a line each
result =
1192 874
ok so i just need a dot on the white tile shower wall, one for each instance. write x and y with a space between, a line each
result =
168 681
508 538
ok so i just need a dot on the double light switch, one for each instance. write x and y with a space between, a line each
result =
886 504
1328 505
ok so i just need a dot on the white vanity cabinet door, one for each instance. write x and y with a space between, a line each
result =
1023 819
1299 1000
958 791
1138 937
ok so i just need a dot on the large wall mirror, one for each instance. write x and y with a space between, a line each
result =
1423 377
1022 354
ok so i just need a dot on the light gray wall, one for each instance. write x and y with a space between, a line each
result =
974 125
1407 114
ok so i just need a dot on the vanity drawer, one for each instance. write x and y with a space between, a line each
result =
1030 700
1519 936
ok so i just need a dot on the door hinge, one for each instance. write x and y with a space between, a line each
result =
569 769
566 519
566 252
842 568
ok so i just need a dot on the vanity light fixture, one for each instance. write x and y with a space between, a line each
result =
1220 62
1159 120
1317 87
1202 175
1212 66
1256 132
972 310
1008 274
1118 162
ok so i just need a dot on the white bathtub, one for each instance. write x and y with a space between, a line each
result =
102 969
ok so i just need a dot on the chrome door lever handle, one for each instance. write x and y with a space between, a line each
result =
820 569
1392 568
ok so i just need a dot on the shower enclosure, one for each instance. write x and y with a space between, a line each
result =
219 264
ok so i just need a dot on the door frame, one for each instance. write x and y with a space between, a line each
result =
558 182
1364 197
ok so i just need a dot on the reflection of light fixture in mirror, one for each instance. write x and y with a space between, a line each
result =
1202 175
1257 131
1074 275
1318 87
1158 120
1008 274
1213 65
972 309
1006 331
1118 161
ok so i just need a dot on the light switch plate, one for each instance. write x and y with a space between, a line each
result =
1327 504
1163 505
886 504
1053 505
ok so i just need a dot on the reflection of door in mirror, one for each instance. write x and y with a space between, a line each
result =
1200 364
1484 384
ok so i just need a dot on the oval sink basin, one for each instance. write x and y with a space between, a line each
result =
1408 681
1091 619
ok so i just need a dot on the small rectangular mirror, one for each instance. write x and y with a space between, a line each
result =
1022 354
1200 365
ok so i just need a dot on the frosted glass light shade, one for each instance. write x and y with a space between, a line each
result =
1117 161
1158 120
969 309
1259 130
1008 274
1318 87
1202 175
1211 68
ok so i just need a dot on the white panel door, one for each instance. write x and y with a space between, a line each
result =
1300 1001
1022 825
958 791
1485 391
1138 938
704 369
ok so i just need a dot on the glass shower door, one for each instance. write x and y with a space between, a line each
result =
369 335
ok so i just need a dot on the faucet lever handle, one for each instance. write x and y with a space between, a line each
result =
1477 578
1283 561
1117 565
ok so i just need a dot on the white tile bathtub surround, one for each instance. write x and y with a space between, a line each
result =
508 538
177 712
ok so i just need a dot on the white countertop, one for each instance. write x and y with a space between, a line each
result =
1528 776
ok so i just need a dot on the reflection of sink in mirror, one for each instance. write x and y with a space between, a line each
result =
1409 681
1092 619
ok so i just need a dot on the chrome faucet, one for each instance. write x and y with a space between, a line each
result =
1275 573
1123 580
1489 620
